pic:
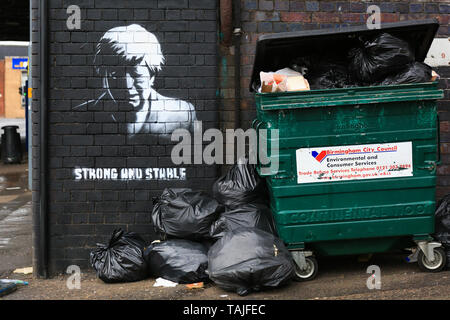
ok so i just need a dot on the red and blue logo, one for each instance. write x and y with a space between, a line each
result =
319 156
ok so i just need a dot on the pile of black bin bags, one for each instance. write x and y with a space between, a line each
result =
381 59
229 238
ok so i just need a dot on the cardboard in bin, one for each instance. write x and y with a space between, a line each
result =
276 51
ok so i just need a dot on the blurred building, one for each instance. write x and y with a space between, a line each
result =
13 75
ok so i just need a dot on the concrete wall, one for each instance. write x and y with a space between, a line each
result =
13 48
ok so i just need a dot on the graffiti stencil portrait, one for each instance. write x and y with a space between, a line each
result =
127 60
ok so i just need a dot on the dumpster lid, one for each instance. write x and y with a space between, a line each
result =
275 51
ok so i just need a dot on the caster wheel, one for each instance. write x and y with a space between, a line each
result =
310 272
437 265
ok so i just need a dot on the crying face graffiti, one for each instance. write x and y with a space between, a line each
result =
133 83
128 58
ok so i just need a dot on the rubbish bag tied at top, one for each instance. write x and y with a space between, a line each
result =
185 214
249 259
240 185
247 215
121 260
178 260
379 57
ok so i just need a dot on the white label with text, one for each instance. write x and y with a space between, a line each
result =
356 162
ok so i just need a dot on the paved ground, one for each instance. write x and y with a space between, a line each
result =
342 278
339 278
15 217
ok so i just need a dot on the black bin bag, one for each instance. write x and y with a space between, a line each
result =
442 225
329 76
248 215
178 260
379 57
185 214
240 185
249 259
323 72
121 260
416 72
442 221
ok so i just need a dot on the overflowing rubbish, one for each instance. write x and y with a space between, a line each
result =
121 260
184 214
381 59
177 260
161 282
236 248
240 185
247 215
249 259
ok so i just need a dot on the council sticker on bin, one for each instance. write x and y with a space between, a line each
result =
356 162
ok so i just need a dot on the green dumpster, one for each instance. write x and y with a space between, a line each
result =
357 166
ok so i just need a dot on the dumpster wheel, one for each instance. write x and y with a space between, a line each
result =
432 266
310 272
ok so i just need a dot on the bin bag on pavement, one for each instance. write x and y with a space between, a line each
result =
249 259
414 73
240 185
184 213
121 260
248 215
442 225
178 260
442 221
379 57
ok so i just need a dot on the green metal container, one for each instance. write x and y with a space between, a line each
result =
357 166
328 215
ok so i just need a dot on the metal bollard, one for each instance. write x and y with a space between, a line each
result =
11 146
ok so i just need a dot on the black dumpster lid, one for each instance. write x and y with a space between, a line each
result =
275 51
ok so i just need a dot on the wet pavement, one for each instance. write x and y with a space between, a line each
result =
338 278
15 218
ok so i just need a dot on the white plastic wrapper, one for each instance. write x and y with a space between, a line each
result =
283 80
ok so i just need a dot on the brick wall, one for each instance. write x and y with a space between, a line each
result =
84 212
198 70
